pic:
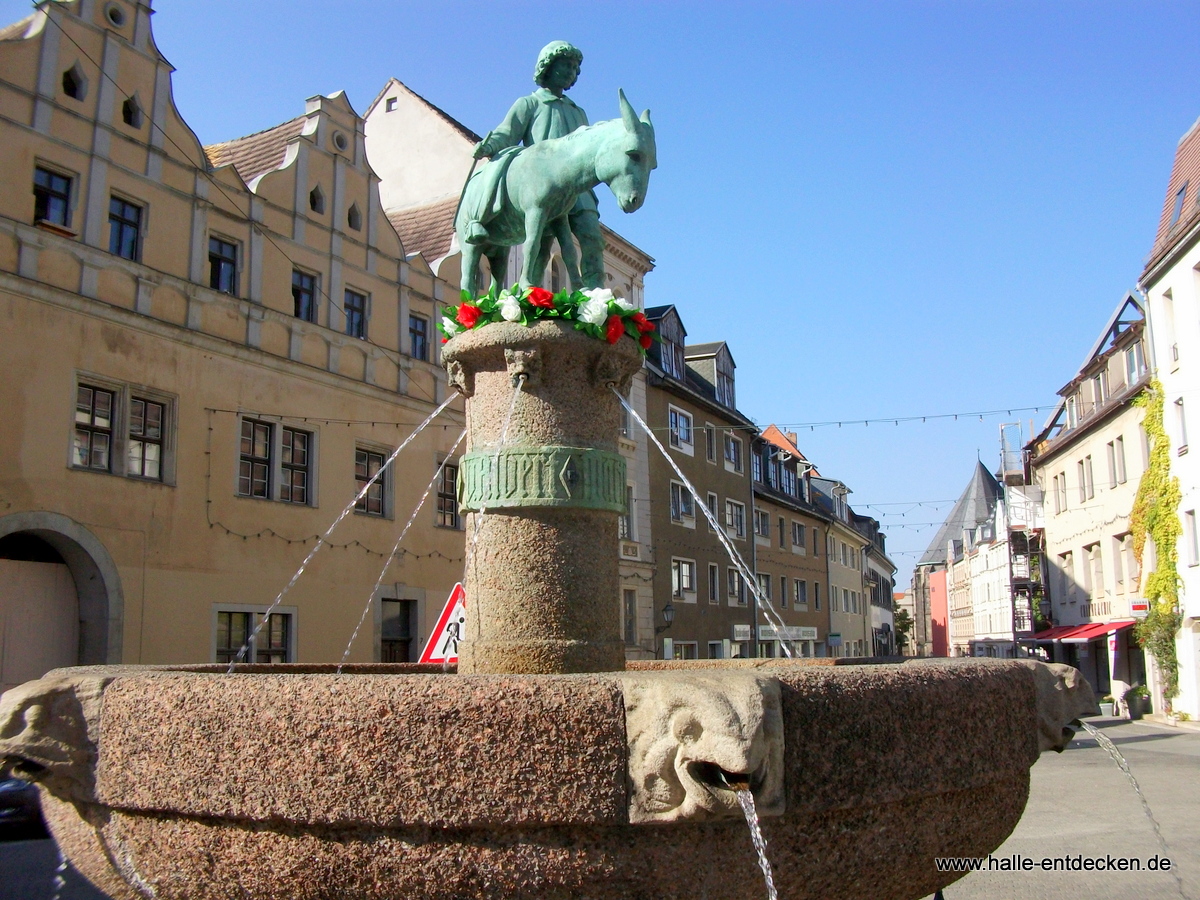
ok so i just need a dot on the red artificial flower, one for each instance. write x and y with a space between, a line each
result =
645 340
614 329
541 297
644 325
445 339
468 315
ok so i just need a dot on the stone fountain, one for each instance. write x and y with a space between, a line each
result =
545 767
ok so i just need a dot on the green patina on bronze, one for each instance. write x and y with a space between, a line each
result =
568 477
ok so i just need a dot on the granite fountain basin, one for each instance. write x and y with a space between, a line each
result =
393 781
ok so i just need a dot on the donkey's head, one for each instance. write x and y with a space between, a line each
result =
626 160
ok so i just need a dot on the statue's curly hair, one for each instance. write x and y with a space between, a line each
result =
552 51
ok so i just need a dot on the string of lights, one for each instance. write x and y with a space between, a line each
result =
387 351
271 533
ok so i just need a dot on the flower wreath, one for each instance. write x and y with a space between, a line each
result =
596 312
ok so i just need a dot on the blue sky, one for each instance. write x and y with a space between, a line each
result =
886 209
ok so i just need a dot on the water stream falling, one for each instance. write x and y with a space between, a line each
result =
1111 749
764 602
266 617
396 549
60 874
745 800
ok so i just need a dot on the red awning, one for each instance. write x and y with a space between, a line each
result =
1095 630
1081 634
1053 634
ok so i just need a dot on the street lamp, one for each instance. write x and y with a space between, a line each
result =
668 614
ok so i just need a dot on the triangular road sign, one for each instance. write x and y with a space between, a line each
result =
443 643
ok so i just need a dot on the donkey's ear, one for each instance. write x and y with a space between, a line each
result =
628 116
646 119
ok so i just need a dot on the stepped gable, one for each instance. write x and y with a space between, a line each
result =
258 153
976 506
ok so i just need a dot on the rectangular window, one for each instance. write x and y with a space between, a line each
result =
1118 562
680 429
222 266
1089 483
716 650
681 503
789 481
51 197
817 596
801 595
447 498
684 650
254 468
798 534
418 336
714 583
735 518
725 389
396 632
367 464
710 442
272 644
630 604
756 467
764 585
1119 454
737 587
1191 537
712 508
355 306
625 523
294 458
1135 363
816 542
94 410
733 452
304 295
146 422
124 229
782 533
762 523
683 577
1181 426
783 591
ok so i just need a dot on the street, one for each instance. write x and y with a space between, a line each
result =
1080 804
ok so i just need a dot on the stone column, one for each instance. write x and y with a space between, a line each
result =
543 584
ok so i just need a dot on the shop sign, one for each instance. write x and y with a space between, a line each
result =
835 639
742 633
1139 607
787 633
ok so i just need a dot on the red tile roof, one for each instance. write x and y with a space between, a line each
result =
427 229
1185 173
772 434
255 154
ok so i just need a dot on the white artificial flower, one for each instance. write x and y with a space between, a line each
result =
625 305
594 311
510 307
450 325
599 294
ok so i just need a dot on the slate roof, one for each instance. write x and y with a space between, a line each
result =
256 154
976 506
1185 171
427 229
710 349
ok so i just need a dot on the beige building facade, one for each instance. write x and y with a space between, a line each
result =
207 352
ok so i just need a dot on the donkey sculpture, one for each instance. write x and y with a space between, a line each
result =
540 186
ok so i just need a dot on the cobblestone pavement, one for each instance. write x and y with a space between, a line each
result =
1080 804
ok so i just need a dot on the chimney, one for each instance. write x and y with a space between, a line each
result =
791 436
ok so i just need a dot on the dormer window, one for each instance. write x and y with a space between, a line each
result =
1180 196
670 351
725 388
1072 411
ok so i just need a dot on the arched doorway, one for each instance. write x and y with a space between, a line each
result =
60 597
39 610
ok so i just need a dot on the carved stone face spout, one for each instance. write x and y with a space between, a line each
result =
695 738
